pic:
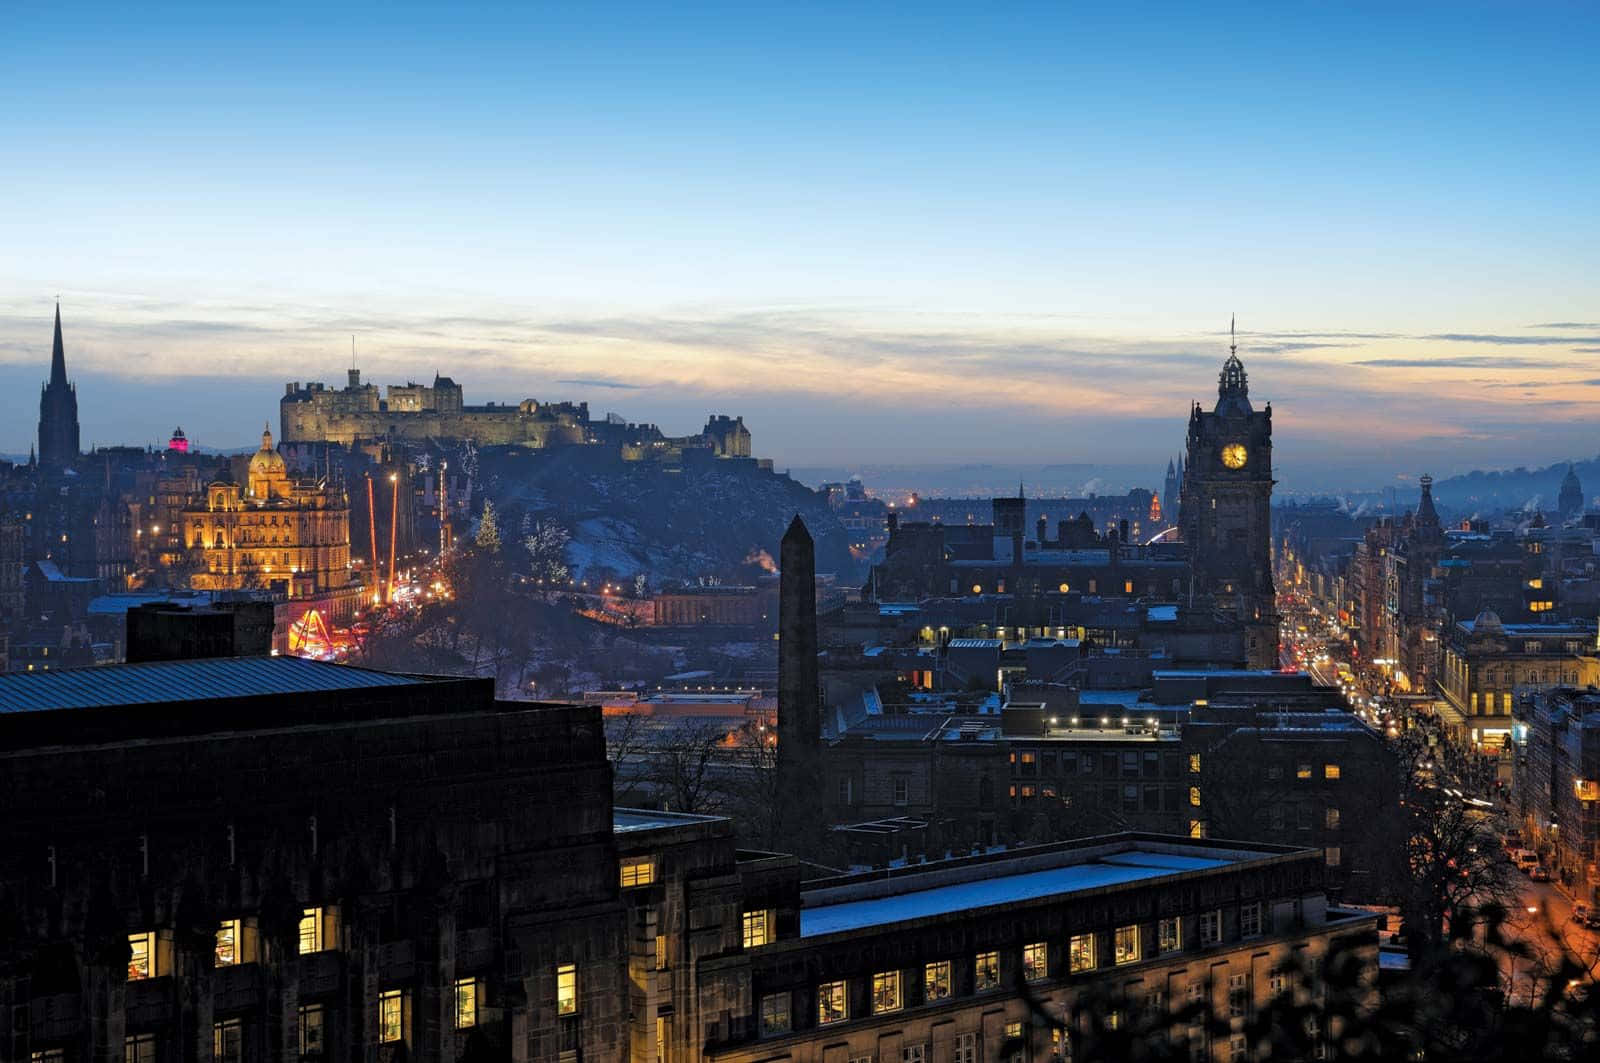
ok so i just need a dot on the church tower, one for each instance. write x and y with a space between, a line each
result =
58 412
1225 512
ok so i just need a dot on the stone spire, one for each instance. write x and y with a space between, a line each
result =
1427 516
58 356
58 411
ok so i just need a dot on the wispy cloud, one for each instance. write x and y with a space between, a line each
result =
1467 361
1568 324
1510 341
599 382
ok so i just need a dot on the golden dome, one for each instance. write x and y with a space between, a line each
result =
267 461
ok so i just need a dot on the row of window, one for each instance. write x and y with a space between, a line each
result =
1130 765
888 987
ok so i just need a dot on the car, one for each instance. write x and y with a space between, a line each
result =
1582 913
1539 873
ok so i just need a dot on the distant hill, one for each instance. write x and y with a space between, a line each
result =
709 518
1519 488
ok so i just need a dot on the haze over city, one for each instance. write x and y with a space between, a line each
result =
920 236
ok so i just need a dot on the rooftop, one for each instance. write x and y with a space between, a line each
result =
159 682
633 820
1008 881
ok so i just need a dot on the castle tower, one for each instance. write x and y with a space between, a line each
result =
58 411
799 692
1226 509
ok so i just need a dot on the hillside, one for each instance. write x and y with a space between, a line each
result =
1519 488
710 518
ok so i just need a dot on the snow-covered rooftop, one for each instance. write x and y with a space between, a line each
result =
1129 865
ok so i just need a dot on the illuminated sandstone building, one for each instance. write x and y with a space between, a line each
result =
315 413
273 529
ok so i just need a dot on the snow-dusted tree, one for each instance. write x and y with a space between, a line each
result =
547 552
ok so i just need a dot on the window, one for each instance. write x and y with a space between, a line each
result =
757 927
1250 919
1302 771
1278 982
1238 995
139 1048
1332 855
1035 961
567 989
1080 953
832 1003
1302 817
466 1003
312 927
936 981
1194 764
845 791
228 943
1169 935
661 952
902 790
1013 1031
1331 818
638 871
1276 817
311 1029
1197 828
775 1014
1194 796
1275 772
1126 944
986 971
47 1055
1238 1049
391 1016
886 994
966 1048
227 1041
142 956
1210 927
914 1054
1330 771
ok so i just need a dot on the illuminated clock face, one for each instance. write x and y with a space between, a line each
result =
1234 455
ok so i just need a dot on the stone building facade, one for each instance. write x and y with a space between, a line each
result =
273 529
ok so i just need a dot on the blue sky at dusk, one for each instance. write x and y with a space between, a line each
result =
907 233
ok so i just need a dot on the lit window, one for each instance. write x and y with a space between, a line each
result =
833 1004
1194 763
775 1014
1169 935
1080 953
1197 828
1127 944
1330 771
886 992
1250 919
567 989
1064 588
977 588
1302 771
228 943
1013 1031
391 1015
312 923
311 1029
757 927
1332 855
661 952
141 956
1035 961
1210 927
48 1055
227 1041
1194 796
936 980
1331 819
1127 586
139 1048
466 1003
638 871
986 971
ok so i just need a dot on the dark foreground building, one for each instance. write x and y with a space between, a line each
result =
254 859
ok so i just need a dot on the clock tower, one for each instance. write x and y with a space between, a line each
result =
1226 511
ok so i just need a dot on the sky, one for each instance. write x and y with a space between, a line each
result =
881 233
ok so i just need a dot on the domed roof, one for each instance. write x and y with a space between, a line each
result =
267 461
1487 622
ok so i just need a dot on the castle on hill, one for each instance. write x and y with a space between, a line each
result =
315 413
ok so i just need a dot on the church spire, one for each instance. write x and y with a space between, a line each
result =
58 355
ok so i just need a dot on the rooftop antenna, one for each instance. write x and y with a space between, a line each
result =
1233 339
352 350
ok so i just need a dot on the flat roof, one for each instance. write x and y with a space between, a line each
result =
158 682
1110 869
629 820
